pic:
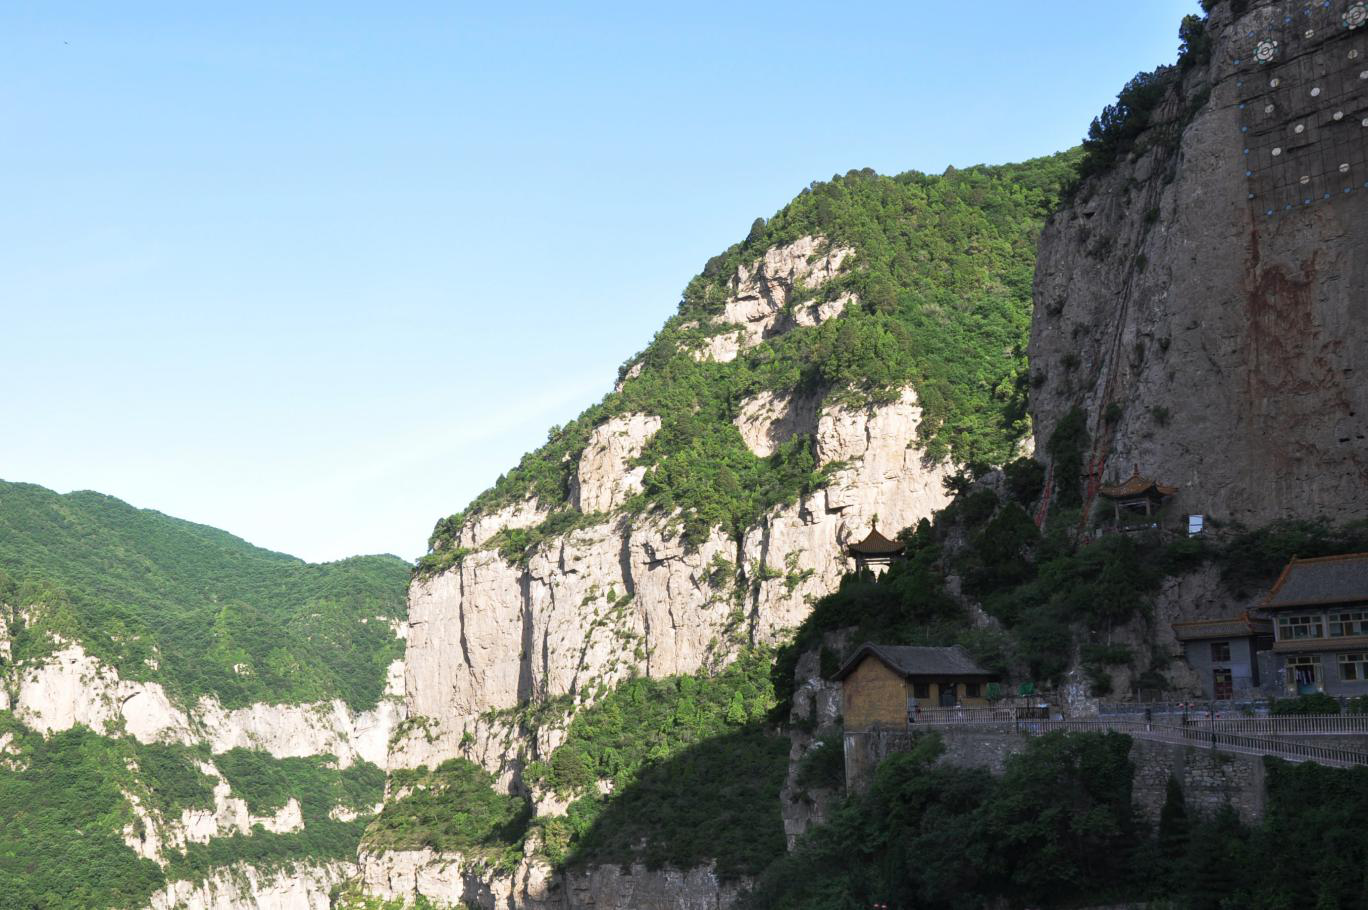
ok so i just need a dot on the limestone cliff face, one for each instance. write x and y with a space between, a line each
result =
70 687
302 887
1232 340
629 596
764 296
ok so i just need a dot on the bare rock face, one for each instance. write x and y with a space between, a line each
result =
1231 340
816 710
301 887
772 418
628 595
761 302
452 880
71 687
606 478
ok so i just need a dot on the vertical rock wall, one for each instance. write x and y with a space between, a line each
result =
1232 342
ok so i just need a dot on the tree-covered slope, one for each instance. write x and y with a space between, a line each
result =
193 607
941 269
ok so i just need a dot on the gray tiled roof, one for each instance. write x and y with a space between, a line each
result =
1331 579
917 661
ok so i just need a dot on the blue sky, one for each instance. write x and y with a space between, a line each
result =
317 273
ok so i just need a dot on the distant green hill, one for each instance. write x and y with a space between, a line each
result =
184 604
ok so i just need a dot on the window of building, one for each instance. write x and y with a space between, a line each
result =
1349 622
1220 652
971 690
1353 667
1223 684
1195 525
921 690
1305 625
1303 674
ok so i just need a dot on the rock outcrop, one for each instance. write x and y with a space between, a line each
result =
1230 340
71 687
769 297
301 887
606 477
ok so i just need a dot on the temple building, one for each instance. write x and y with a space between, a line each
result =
1319 613
874 550
884 685
1224 653
1138 495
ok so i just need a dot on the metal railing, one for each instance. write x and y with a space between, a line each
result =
1283 725
1208 734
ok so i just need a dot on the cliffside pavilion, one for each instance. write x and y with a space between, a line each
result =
874 550
1319 609
885 684
1138 495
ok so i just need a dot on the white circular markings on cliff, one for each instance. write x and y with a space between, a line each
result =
1266 51
1299 128
1338 115
1277 152
1315 92
1356 15
1268 109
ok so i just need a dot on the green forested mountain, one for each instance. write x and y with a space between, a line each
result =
942 270
184 604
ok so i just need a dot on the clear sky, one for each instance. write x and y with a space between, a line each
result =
316 273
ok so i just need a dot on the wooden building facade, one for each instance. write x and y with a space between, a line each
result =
884 685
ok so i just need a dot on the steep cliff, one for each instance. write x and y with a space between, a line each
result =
1201 297
824 376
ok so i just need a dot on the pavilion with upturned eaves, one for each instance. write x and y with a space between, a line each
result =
1137 494
874 550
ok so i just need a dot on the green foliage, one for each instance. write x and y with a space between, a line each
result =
172 773
1314 703
714 801
943 270
1195 49
1067 445
139 589
822 767
1057 826
1114 132
1025 480
694 775
62 814
266 784
452 808
1252 559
